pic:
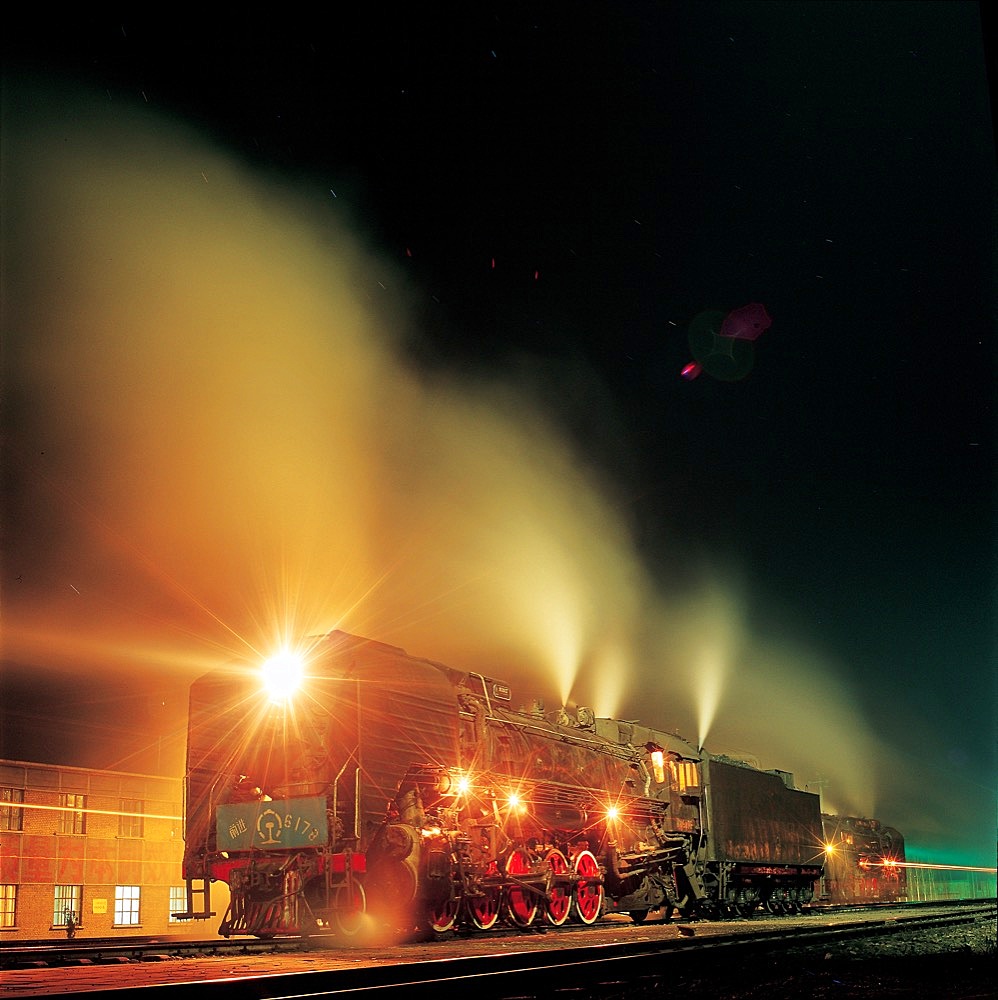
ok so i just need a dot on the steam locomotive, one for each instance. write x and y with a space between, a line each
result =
398 791
864 861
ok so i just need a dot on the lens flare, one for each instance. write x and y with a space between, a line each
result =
283 675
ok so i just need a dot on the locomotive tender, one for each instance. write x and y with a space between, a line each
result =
400 791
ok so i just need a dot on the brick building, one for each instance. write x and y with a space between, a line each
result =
95 851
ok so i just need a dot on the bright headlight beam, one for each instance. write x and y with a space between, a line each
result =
282 675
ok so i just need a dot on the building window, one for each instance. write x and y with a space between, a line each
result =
126 905
8 905
178 902
130 818
75 821
11 816
67 905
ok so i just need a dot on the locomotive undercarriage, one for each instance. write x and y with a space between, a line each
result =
435 881
741 889
653 880
298 893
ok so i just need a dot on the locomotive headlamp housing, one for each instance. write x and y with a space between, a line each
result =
282 675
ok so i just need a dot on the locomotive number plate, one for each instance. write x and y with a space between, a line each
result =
273 825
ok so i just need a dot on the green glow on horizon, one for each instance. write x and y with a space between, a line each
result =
953 858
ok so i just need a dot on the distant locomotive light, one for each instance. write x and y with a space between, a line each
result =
283 674
829 848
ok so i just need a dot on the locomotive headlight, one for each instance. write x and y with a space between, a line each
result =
612 813
515 803
282 675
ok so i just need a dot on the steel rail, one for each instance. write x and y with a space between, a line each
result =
497 975
109 950
14 954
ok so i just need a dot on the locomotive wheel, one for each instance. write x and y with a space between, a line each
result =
521 904
483 910
588 890
349 907
442 916
559 902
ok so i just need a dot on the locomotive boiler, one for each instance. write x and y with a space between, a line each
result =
397 791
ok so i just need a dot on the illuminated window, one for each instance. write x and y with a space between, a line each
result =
130 818
75 821
684 772
11 817
658 766
67 904
126 905
178 902
8 905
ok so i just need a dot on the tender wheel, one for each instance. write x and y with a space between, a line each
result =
349 908
521 904
442 916
638 916
588 896
559 903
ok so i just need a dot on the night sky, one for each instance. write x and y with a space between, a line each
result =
515 213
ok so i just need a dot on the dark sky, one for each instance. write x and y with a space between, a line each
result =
565 188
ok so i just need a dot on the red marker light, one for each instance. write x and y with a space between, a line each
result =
691 371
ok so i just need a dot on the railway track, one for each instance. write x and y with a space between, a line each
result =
88 951
529 965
